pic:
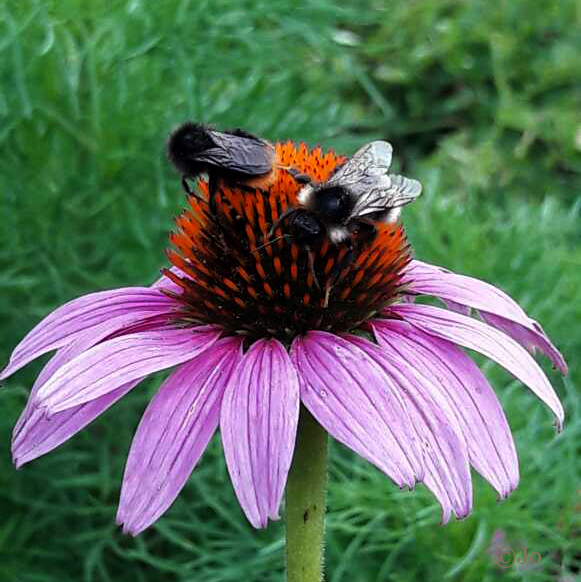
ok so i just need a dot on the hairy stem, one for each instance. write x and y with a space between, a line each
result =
305 502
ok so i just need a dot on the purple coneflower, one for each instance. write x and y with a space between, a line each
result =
252 336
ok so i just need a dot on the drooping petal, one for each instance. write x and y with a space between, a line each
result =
110 328
70 320
444 447
258 425
173 433
115 362
453 375
531 337
478 336
40 434
495 306
429 279
358 404
36 434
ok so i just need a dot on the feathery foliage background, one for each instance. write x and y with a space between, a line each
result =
481 101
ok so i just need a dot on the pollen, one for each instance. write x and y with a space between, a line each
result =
231 271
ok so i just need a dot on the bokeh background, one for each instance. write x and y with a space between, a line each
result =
481 101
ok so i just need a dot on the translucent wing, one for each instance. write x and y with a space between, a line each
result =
244 154
368 165
365 176
392 191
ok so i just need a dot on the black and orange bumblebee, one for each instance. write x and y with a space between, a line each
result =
235 157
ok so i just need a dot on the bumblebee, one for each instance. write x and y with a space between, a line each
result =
357 196
236 157
347 207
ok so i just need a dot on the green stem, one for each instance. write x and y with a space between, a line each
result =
305 502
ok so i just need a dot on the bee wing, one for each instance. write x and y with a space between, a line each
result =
245 154
388 192
376 191
368 163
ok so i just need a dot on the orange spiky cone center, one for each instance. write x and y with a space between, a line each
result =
279 290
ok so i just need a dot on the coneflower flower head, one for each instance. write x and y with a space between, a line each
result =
234 273
255 331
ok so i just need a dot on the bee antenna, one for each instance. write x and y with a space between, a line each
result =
284 215
271 242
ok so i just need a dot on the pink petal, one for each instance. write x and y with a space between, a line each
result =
64 324
457 379
40 434
173 433
429 279
167 284
482 338
358 404
532 337
35 434
258 424
444 447
115 362
496 307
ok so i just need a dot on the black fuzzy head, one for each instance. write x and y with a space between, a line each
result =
185 143
306 229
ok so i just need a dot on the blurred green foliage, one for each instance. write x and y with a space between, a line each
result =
481 101
491 90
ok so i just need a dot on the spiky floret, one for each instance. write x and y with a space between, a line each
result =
279 290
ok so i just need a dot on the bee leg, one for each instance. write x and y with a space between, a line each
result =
189 191
302 178
365 231
212 191
337 268
347 259
327 294
299 176
311 256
